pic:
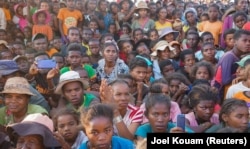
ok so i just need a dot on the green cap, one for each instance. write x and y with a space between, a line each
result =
243 60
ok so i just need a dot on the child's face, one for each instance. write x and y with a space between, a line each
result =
74 35
125 30
190 17
167 70
44 6
213 13
94 47
204 18
143 50
86 60
41 17
142 12
158 117
74 58
139 73
127 47
230 41
67 127
164 54
57 43
93 26
189 60
240 21
208 39
208 52
174 86
153 36
204 109
138 35
18 49
192 40
59 61
162 13
99 132
112 29
169 37
31 58
87 34
23 65
202 73
40 45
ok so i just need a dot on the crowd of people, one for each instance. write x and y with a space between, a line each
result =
121 70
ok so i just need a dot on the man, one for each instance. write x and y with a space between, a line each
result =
8 69
72 87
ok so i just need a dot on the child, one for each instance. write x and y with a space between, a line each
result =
93 25
98 122
67 125
113 30
204 17
60 62
202 99
160 104
202 70
153 34
56 43
191 19
94 47
23 64
216 30
41 19
175 54
168 34
126 29
228 37
137 34
240 19
229 109
166 67
126 45
178 86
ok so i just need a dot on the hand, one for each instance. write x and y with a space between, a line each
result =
52 73
183 88
139 86
177 130
106 93
61 140
33 69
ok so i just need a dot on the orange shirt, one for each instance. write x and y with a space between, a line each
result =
69 18
44 29
213 27
242 96
51 52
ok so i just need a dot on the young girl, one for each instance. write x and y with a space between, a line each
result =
158 113
202 99
19 19
67 125
93 25
126 29
191 19
97 121
41 19
202 70
216 30
240 18
153 34
234 113
137 34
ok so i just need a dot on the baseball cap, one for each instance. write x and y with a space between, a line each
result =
241 63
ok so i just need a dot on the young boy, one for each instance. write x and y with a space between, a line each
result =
213 25
60 61
74 60
226 67
86 35
94 47
229 39
69 17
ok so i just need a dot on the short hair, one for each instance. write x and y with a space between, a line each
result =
41 53
186 52
137 62
74 47
164 63
205 34
66 111
227 32
240 32
156 85
239 13
72 28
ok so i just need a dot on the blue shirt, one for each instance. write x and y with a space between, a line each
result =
117 143
146 128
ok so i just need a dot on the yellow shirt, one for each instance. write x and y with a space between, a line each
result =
160 26
88 52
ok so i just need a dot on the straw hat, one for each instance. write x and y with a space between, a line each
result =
68 77
17 85
161 46
142 5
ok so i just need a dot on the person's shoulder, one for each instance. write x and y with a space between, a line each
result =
32 108
83 146
64 69
122 143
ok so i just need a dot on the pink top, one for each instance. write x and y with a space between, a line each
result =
191 118
174 111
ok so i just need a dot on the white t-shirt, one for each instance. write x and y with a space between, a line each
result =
239 87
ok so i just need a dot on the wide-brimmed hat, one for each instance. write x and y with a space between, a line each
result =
17 85
3 42
142 5
241 63
68 77
168 30
161 46
35 124
35 16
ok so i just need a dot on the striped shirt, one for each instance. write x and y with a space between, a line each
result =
133 115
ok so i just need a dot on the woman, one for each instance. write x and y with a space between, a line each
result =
16 97
143 20
98 123
234 114
127 117
35 131
161 22
110 66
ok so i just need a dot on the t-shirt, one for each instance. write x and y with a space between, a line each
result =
116 143
7 118
148 24
146 128
193 122
232 90
69 18
160 26
91 72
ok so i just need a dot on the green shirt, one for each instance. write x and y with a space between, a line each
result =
87 99
90 70
7 118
